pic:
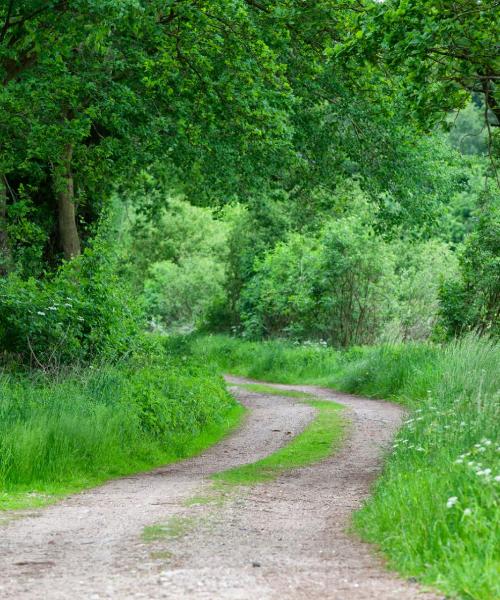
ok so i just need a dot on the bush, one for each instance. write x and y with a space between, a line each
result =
421 269
176 262
334 286
472 302
74 316
178 296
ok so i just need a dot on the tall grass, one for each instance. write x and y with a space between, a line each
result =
435 512
65 433
278 361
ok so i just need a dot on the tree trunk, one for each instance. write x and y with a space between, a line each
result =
5 256
68 232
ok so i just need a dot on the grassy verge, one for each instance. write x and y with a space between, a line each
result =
435 511
260 388
318 440
61 434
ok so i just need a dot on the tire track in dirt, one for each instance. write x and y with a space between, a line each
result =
281 540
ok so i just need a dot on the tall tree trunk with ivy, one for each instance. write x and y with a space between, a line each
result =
65 190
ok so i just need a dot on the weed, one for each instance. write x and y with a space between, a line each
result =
161 555
175 527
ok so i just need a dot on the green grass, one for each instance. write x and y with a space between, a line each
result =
175 527
276 361
61 435
449 448
260 388
318 440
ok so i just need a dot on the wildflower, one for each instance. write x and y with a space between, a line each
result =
459 461
41 313
487 442
484 472
467 512
451 501
52 308
497 478
420 449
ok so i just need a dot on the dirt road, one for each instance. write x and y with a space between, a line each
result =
281 540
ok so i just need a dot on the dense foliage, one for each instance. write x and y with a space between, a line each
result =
285 113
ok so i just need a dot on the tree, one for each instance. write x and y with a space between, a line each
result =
100 87
439 51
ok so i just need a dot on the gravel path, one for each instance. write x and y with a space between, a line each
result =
281 540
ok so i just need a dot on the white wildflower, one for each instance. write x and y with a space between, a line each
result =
467 512
483 473
41 313
451 501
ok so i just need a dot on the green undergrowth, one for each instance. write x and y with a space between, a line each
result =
66 432
318 440
435 511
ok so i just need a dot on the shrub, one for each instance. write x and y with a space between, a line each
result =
73 316
472 301
178 296
334 286
421 269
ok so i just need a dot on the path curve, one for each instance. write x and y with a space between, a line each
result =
281 540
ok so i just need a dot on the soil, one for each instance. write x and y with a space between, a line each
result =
286 539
